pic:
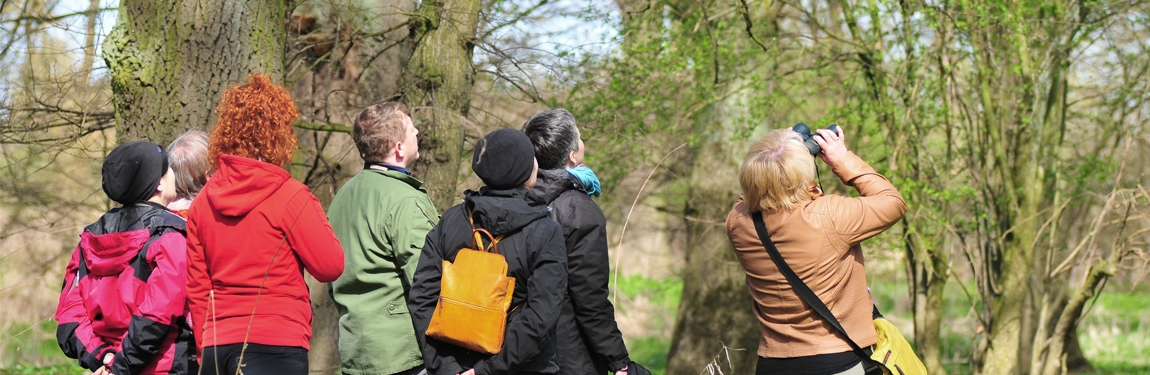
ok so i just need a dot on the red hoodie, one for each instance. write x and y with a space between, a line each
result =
251 233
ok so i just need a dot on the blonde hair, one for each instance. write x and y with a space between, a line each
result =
777 173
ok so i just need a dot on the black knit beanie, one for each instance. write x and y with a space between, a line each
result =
133 170
504 159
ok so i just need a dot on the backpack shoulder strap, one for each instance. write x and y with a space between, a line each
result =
477 237
494 246
157 226
801 287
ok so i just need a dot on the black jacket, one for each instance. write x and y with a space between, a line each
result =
588 337
533 247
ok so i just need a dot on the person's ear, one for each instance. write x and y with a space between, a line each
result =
400 151
158 193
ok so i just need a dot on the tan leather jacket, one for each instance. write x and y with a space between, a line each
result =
820 241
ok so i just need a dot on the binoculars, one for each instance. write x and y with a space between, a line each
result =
809 136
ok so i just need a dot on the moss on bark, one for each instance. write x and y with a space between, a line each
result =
171 60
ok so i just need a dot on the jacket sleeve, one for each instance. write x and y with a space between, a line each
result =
311 236
164 299
421 303
588 275
199 282
74 331
879 206
531 327
408 234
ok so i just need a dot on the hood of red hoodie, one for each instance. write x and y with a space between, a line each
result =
108 254
110 243
241 184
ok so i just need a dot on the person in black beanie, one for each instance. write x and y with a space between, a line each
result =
505 159
536 257
137 250
132 172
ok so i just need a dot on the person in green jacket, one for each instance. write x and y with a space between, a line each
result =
381 217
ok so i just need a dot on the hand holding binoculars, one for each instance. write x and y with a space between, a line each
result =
809 136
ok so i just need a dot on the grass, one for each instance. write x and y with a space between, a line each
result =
661 296
44 370
1115 334
35 350
661 292
651 352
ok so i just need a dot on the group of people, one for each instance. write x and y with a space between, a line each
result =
201 268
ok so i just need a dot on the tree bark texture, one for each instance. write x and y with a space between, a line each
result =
1020 138
171 60
93 17
437 90
344 56
929 273
715 311
383 57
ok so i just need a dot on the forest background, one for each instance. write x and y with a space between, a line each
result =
1014 129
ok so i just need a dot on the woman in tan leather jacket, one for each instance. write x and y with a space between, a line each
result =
818 236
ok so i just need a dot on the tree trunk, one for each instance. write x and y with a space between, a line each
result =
339 67
437 90
382 59
171 60
93 17
926 259
928 272
715 310
1021 138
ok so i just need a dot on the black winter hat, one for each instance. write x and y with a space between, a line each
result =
133 170
504 159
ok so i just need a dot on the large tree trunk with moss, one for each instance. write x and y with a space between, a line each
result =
437 90
171 60
716 330
715 320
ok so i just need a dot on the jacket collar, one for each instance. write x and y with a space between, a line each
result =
550 183
398 175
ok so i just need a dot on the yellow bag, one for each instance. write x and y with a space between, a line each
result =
475 293
893 352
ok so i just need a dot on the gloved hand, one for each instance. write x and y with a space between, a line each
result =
636 369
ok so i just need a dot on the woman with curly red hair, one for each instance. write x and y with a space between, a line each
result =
250 236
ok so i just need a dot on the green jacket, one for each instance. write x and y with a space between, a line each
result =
381 219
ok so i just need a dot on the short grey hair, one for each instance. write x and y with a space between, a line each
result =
554 135
188 158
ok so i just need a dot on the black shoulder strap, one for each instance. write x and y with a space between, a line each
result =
163 222
800 287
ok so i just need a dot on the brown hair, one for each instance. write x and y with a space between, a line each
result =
188 157
777 173
377 129
255 121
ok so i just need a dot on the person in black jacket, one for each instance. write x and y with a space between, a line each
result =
588 338
532 245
